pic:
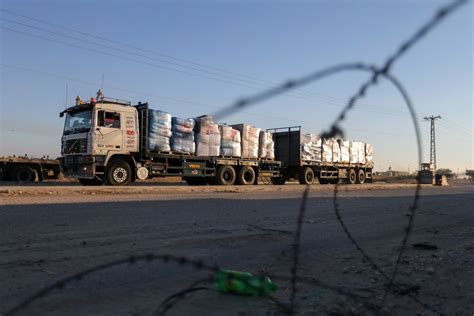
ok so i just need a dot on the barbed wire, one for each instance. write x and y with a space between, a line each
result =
171 300
335 130
296 248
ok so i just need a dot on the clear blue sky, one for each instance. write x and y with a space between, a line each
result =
263 40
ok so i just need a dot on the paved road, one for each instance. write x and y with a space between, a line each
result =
46 236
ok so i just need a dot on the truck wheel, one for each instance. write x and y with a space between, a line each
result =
306 176
352 176
246 176
225 175
118 172
24 174
278 181
94 181
361 176
196 181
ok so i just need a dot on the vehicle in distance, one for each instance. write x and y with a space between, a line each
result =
27 169
341 165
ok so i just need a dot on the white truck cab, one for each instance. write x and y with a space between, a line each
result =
99 140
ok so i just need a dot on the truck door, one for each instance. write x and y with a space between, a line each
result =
109 133
130 138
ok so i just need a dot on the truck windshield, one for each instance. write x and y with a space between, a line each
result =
78 122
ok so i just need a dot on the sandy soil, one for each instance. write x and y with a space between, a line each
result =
51 231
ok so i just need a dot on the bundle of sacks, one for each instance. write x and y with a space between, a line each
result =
369 151
230 141
357 152
327 150
266 148
249 139
344 151
344 146
182 139
311 147
159 132
208 138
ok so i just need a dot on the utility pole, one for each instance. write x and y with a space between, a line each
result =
432 118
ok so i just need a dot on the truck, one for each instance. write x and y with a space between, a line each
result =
288 150
105 140
28 169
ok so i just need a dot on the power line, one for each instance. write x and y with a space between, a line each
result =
326 98
165 67
459 135
149 94
461 129
133 53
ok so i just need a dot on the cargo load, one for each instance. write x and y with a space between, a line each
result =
306 152
345 154
249 140
205 125
361 149
354 152
357 152
336 151
266 147
230 141
369 153
159 132
208 138
311 147
327 146
182 138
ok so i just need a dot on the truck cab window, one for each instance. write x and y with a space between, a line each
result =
109 119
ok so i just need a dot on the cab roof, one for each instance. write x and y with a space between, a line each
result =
90 105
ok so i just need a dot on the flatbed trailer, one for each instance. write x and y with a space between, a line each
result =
293 166
199 170
26 169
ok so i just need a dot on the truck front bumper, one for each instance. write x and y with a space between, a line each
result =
79 166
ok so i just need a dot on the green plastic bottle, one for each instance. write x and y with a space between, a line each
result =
243 283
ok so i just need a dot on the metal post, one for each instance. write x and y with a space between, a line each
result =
432 118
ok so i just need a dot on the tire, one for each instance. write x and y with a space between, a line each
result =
306 176
352 176
323 181
118 172
278 181
361 177
196 181
88 182
246 176
225 175
23 174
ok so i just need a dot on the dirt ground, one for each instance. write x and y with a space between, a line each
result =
53 230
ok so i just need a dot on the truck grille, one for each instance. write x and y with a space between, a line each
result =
75 146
